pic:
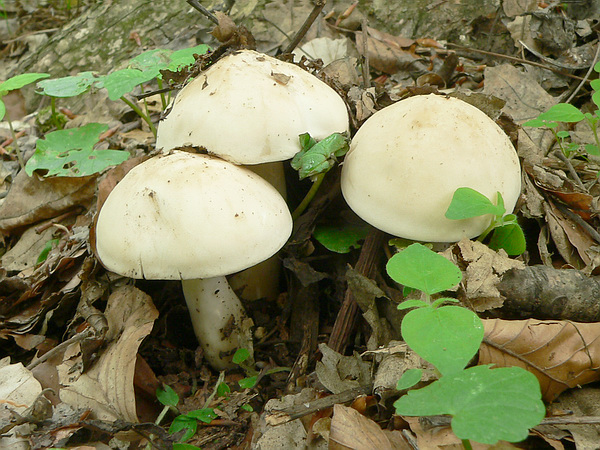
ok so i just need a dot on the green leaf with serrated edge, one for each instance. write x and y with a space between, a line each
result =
123 81
340 238
205 415
592 149
240 355
409 379
320 157
486 405
2 110
563 134
184 423
407 304
185 56
562 112
448 337
423 269
167 396
70 153
595 84
467 203
509 237
248 383
67 86
18 81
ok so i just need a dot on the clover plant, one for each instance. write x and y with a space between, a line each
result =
14 83
486 404
507 233
71 152
567 113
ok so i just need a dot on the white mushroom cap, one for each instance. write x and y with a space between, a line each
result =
185 216
250 108
406 161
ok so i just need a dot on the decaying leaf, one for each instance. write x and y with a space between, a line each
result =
339 373
561 355
107 387
31 199
351 430
484 270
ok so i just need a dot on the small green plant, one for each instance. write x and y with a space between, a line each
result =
567 113
486 404
507 233
315 159
71 153
242 358
14 83
183 422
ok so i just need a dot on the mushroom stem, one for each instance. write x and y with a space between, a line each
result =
217 316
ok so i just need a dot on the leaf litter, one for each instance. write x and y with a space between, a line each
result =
96 375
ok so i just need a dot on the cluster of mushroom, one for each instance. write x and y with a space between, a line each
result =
199 217
408 159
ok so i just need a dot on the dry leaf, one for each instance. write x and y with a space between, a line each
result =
31 199
107 387
561 355
352 430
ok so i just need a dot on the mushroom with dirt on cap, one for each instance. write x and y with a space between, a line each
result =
408 159
194 218
250 108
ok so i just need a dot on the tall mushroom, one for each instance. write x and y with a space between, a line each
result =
195 218
406 161
250 108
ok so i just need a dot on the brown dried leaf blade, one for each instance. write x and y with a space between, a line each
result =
561 354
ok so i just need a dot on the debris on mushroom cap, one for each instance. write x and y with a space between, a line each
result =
185 216
250 108
406 161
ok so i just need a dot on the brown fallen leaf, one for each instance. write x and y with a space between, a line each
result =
107 387
31 199
560 354
352 430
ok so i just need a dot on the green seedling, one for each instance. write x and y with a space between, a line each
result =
70 153
567 113
314 160
486 405
242 357
12 84
340 238
507 233
141 69
188 423
49 245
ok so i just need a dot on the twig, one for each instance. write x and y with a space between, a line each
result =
196 5
579 220
514 59
365 46
586 76
559 154
281 416
88 332
348 315
319 5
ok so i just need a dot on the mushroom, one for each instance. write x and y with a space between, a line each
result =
406 161
250 108
195 218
